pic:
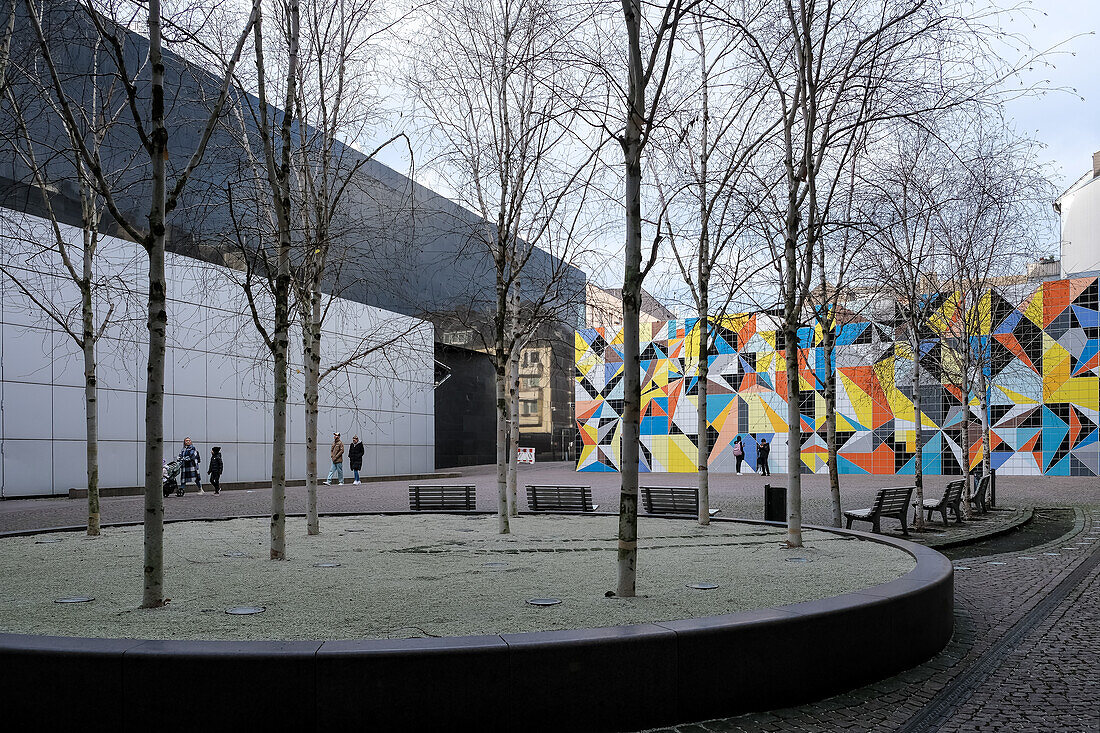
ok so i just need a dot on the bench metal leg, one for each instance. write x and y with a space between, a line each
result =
904 527
875 527
849 523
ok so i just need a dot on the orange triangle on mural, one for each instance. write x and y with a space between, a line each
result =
1010 342
1074 427
863 460
1055 300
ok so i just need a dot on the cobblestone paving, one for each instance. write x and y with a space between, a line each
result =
1048 682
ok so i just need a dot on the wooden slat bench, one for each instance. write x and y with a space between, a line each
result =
979 496
951 499
672 500
548 498
442 497
892 502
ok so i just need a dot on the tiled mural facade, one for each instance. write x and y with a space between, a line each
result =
1043 367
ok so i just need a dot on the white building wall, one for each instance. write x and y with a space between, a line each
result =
1081 228
218 383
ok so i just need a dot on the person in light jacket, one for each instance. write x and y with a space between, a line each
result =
189 465
337 470
355 458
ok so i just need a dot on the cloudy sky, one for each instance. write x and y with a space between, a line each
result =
1067 122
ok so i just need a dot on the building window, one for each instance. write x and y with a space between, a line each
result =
457 338
532 382
528 407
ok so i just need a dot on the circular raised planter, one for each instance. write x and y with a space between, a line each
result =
600 679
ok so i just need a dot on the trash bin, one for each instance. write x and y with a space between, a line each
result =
775 503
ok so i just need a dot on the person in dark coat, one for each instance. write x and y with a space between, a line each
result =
762 451
355 457
215 470
189 465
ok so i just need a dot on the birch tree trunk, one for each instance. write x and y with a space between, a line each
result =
632 287
311 337
513 406
513 454
156 323
965 388
790 344
502 443
828 343
987 454
918 442
703 370
91 399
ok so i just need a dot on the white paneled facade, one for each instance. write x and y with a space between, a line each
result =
218 380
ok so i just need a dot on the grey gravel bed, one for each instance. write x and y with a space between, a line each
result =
409 576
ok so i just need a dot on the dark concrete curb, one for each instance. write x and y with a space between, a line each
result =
1022 520
79 493
602 679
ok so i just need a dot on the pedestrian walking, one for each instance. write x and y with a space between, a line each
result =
189 465
738 453
762 451
337 470
215 470
355 458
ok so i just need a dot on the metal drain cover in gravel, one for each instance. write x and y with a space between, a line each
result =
543 601
703 586
75 599
245 610
234 554
326 564
798 559
47 541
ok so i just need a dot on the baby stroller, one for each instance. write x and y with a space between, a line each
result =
171 470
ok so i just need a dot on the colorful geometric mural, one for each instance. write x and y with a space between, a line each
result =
1042 364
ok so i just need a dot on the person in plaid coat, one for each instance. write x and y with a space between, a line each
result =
189 462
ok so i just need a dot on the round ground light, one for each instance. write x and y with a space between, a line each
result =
75 599
543 601
245 610
702 586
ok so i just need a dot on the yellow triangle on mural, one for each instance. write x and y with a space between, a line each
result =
779 425
720 419
1016 397
1034 309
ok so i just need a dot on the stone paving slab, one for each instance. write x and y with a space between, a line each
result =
1049 682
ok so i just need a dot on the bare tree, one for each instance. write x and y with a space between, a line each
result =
722 124
837 69
988 228
910 187
496 84
651 43
334 108
153 135
48 250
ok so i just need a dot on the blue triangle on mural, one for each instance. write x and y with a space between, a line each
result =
717 403
909 466
847 467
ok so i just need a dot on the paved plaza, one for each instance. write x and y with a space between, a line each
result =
1025 655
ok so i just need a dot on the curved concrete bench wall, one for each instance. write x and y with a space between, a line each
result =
605 679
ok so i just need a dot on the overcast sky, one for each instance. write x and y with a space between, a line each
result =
1068 123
